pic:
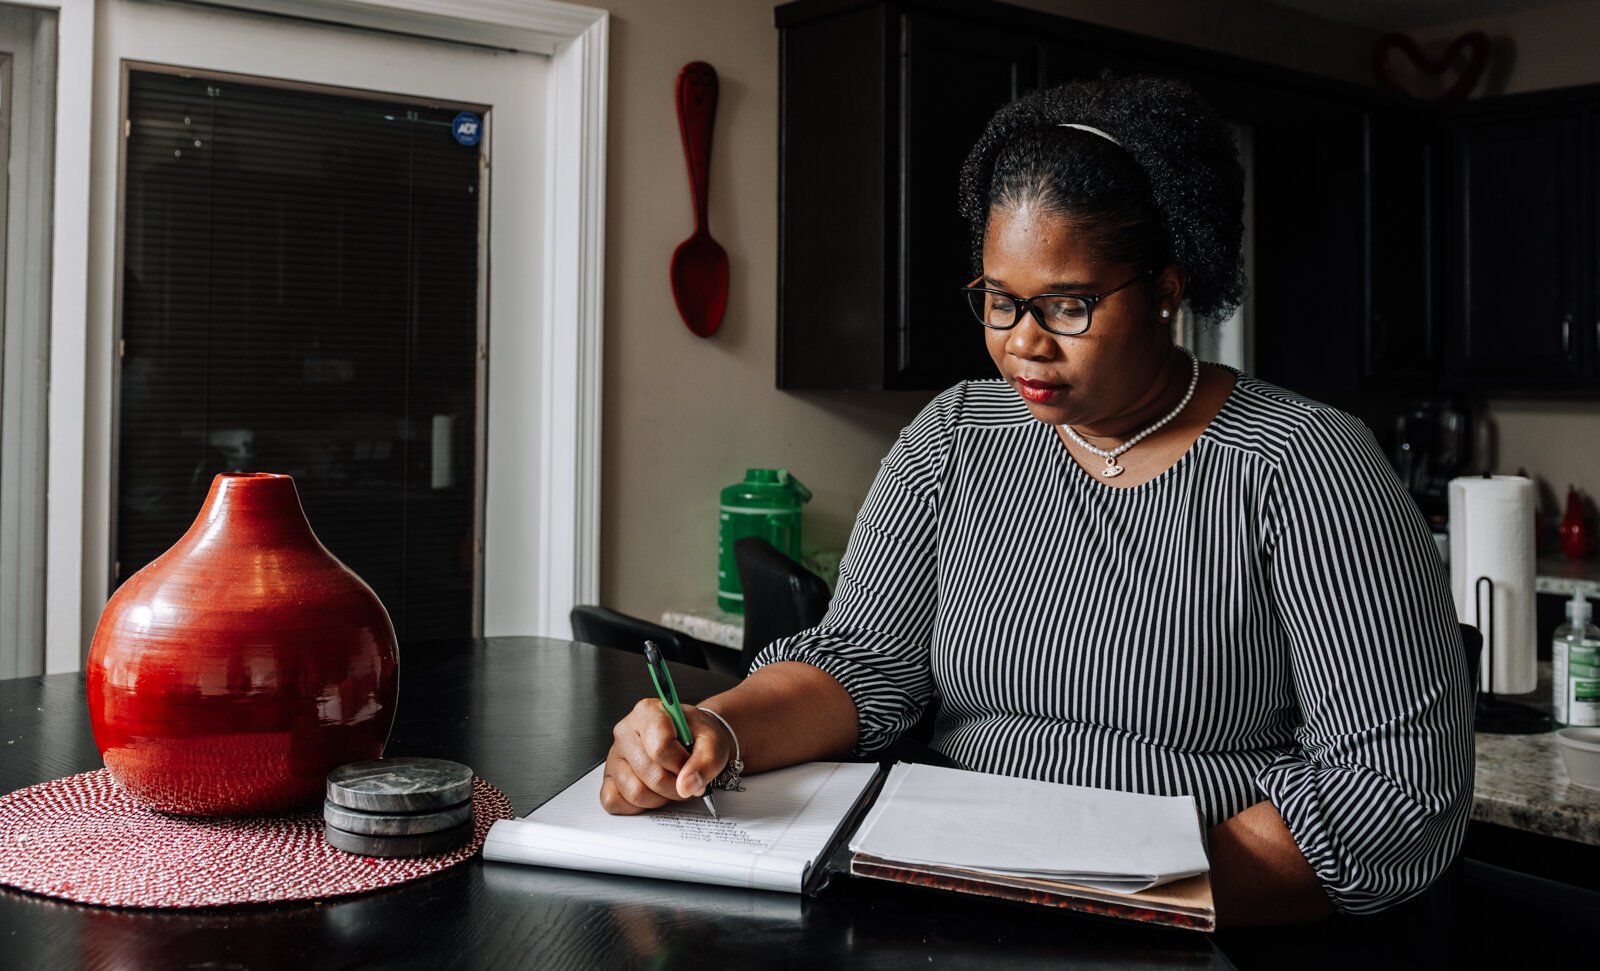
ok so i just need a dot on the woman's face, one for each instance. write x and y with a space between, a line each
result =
1090 378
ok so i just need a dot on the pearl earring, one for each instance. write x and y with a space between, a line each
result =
1165 314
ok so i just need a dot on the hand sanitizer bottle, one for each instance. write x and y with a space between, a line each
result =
1575 666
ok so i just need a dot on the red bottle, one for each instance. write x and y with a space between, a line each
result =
228 676
1575 535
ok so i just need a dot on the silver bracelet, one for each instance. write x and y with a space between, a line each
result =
729 778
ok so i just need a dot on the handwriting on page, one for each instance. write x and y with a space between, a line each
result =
695 828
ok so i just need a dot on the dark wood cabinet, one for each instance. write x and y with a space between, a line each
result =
1308 296
936 341
836 169
1399 347
1591 237
878 106
1516 289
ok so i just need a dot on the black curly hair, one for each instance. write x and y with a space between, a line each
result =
1173 192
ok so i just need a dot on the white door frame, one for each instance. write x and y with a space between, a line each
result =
568 517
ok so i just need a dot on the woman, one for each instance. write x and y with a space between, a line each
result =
1119 567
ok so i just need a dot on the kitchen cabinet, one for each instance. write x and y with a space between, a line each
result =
1307 284
878 106
835 169
1516 217
1516 292
1399 347
935 340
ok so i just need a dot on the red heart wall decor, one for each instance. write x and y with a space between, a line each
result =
1475 43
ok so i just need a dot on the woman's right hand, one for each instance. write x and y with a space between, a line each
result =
648 767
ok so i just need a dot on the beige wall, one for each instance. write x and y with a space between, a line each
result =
685 416
1549 47
1244 28
1535 50
1558 443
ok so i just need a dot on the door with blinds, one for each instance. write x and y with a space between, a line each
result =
303 291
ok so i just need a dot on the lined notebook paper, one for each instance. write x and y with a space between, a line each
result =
768 837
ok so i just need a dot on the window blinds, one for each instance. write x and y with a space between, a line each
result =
300 294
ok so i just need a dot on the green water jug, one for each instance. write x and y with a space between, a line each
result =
766 504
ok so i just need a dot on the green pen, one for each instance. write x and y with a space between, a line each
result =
665 690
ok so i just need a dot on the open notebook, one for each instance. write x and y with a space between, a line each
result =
769 836
1112 853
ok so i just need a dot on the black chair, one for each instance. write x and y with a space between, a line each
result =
781 597
607 628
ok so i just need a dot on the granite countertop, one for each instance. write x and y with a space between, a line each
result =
1522 782
1557 574
708 624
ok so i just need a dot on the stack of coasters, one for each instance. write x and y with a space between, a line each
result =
399 807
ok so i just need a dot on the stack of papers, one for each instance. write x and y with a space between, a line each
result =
1120 842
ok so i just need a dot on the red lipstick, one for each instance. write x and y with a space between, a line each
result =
1038 392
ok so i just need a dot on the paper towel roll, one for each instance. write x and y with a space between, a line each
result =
1491 535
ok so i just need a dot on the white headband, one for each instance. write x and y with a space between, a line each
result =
1093 131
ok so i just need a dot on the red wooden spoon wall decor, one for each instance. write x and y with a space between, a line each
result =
699 264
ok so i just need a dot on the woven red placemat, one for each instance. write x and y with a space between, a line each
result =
83 838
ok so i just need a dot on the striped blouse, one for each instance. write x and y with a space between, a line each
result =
1267 619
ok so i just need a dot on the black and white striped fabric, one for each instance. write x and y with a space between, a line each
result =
1267 619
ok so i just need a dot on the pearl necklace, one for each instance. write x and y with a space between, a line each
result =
1112 469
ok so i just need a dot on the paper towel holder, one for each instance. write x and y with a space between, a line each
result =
1495 715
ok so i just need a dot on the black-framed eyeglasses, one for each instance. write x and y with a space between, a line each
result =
1067 314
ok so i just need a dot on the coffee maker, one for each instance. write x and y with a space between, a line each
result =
1433 443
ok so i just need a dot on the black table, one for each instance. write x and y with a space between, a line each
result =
530 715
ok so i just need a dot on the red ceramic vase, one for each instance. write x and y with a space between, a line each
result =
228 676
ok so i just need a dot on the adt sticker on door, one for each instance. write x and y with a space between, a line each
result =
467 128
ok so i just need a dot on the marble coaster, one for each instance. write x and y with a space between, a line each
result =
395 824
423 844
403 785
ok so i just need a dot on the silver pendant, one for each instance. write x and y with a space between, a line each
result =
1112 469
